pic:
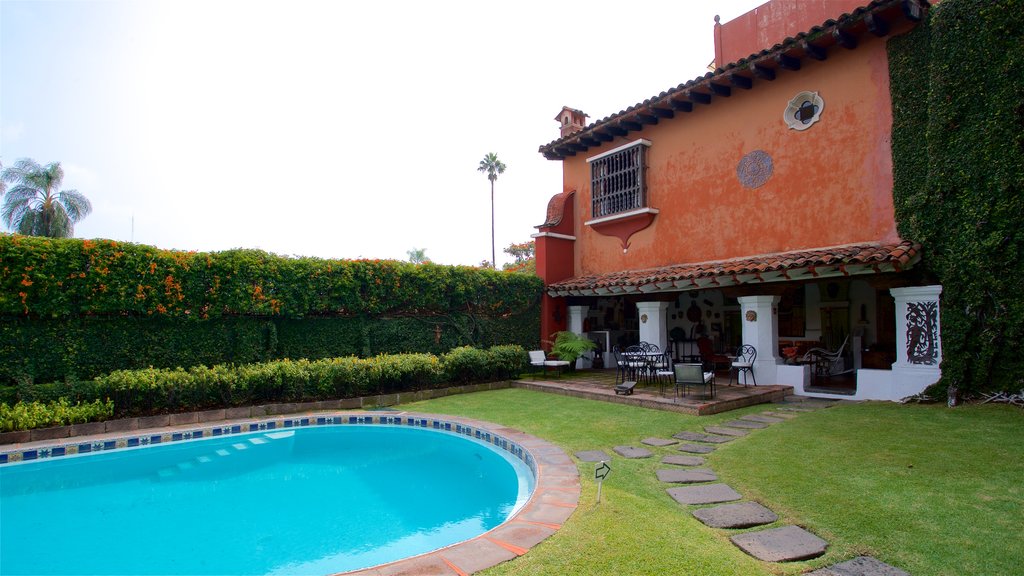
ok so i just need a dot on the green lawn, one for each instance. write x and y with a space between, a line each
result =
931 490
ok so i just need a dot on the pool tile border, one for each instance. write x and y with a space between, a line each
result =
554 499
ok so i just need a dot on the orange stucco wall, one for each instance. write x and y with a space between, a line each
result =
831 185
772 22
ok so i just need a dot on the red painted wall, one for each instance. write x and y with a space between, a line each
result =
832 183
772 22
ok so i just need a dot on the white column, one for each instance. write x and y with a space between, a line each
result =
918 338
760 318
653 323
577 314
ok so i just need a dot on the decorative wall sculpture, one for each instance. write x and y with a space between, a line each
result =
803 110
923 332
754 169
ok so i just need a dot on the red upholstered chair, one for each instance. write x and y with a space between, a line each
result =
712 361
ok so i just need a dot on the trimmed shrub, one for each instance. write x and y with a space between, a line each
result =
28 415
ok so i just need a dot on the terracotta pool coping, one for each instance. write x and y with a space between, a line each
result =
554 499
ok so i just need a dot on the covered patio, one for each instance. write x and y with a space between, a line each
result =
599 384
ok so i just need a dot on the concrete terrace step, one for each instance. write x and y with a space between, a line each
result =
696 448
761 418
680 460
592 456
860 566
723 431
658 442
745 424
704 494
632 452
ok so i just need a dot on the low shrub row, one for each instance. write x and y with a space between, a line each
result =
27 415
164 390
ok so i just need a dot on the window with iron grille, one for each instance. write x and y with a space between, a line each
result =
618 179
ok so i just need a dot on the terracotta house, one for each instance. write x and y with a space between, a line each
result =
752 205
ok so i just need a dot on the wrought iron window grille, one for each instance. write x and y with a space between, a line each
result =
618 179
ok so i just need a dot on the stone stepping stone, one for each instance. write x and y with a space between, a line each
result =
698 437
680 460
785 415
741 515
745 424
760 418
860 566
658 442
696 448
684 476
593 456
704 494
784 544
722 430
632 452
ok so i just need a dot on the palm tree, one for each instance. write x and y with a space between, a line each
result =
36 205
493 167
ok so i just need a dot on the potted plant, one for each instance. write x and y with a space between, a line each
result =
569 346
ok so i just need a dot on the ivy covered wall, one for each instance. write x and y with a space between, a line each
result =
82 308
958 151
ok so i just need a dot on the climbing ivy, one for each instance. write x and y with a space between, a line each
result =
958 150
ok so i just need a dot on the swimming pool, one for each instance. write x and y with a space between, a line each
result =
303 500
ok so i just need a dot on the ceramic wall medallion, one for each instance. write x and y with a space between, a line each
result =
803 110
751 316
643 318
754 169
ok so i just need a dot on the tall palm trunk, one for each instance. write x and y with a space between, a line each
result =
494 262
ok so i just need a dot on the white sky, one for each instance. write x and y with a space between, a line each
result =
326 128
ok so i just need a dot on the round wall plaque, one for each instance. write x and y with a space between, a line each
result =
751 316
754 169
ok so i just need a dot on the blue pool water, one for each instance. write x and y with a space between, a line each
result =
302 501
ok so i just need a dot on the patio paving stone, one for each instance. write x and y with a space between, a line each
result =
659 442
723 431
632 452
760 418
696 448
593 456
784 544
704 494
686 476
680 460
745 424
740 515
860 566
698 437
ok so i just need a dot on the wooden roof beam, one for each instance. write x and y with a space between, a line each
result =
719 90
647 119
741 81
662 112
680 105
812 51
876 24
844 39
787 62
602 136
699 97
763 72
912 10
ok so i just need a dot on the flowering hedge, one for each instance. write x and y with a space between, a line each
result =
75 309
46 277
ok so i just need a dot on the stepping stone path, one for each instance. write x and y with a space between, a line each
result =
745 424
741 515
723 431
860 566
784 544
680 460
698 437
704 494
696 448
632 452
684 476
779 544
658 442
593 456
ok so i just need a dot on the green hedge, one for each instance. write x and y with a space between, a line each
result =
958 149
168 390
28 415
76 309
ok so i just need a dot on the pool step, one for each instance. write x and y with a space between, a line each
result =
255 445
